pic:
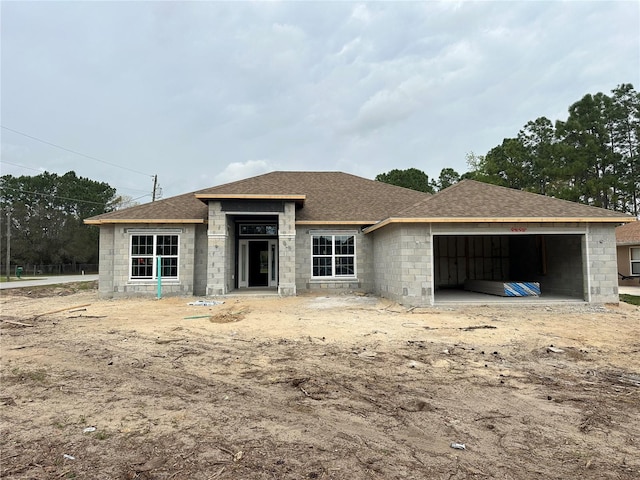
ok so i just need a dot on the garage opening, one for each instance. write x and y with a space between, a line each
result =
553 261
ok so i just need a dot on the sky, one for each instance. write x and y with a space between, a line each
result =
205 93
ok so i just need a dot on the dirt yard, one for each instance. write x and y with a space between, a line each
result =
313 387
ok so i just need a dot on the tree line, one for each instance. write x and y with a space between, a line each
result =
592 157
45 216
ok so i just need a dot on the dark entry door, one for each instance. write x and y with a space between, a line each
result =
258 263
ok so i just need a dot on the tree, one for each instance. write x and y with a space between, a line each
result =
539 142
124 201
411 178
589 162
507 165
47 213
448 176
592 157
625 108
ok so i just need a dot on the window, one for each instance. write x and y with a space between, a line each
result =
635 260
333 256
145 251
259 229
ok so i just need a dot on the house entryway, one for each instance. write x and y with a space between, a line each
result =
258 263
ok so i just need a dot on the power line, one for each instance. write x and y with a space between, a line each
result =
67 198
42 171
52 195
22 166
73 151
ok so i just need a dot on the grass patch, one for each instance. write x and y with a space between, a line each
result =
82 286
632 299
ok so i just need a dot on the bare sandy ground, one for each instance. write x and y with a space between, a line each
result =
341 387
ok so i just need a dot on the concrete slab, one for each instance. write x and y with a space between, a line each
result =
34 282
453 296
629 291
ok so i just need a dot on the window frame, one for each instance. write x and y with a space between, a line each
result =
334 256
152 253
634 261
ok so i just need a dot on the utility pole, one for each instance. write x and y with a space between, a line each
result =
155 186
8 246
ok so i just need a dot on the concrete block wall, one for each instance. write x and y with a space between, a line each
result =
565 273
600 252
217 250
114 267
287 250
105 265
230 256
387 269
200 261
403 268
364 261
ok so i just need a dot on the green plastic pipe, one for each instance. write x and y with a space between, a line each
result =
159 271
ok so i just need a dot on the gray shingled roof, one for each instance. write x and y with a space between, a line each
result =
328 197
628 234
343 198
475 200
184 208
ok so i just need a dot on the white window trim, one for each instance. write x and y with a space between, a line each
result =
333 234
632 262
155 234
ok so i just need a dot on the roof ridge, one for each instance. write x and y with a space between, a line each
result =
540 195
430 197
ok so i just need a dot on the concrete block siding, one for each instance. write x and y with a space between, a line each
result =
403 263
222 255
114 266
600 256
364 260
200 261
287 253
217 240
395 262
107 257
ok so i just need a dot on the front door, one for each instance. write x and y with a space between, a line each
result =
258 262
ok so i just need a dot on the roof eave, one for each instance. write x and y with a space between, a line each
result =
496 220
204 197
336 222
107 221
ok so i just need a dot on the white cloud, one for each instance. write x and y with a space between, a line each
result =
239 170
391 105
361 13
